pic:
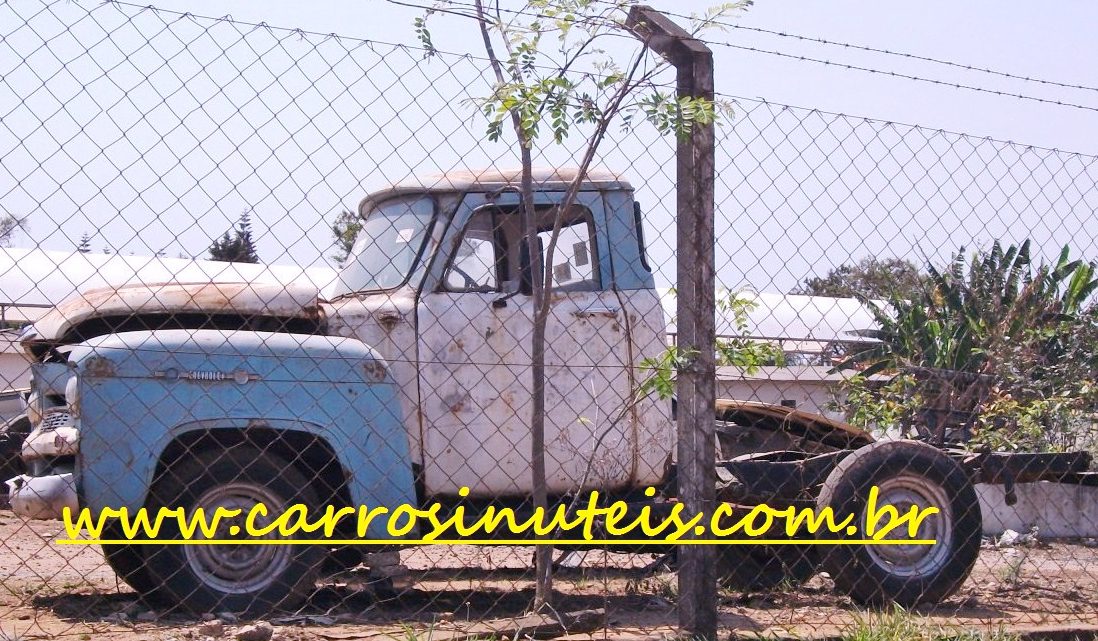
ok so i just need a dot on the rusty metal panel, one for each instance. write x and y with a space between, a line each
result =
655 427
242 299
494 179
806 425
386 322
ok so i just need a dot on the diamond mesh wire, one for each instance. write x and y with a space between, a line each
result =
894 310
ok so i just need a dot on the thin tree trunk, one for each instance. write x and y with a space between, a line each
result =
543 556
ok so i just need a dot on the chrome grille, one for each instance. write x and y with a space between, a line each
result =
56 419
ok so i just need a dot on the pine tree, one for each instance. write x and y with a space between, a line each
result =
8 226
345 231
238 246
85 244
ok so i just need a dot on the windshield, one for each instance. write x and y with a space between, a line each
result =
388 245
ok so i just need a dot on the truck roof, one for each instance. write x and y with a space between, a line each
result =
545 179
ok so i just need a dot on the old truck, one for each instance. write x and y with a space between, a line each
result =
409 380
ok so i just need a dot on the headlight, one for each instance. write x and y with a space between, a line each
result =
72 396
28 333
34 409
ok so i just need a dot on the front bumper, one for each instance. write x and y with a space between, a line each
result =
42 497
48 452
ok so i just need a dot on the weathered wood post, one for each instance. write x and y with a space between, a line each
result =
696 391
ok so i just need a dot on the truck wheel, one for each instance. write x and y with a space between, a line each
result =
12 434
760 568
906 474
245 578
129 563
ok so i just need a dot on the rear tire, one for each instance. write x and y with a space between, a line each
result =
906 473
250 579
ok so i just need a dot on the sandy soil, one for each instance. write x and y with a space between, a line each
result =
48 591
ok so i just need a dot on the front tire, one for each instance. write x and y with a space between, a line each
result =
129 563
906 473
247 578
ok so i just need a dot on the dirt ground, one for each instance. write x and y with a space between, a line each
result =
48 591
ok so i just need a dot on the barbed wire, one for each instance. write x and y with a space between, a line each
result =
475 57
735 97
1091 156
889 52
470 56
905 76
434 51
872 70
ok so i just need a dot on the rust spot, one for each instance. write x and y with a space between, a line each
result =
375 371
388 320
458 343
99 366
245 299
215 296
455 402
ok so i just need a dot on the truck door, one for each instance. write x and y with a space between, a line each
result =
475 324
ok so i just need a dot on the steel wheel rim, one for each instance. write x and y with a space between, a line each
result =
243 568
914 560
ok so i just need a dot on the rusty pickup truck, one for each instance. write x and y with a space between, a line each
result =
408 381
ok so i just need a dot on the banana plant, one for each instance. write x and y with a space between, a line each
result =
972 319
989 328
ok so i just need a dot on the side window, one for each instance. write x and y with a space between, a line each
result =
575 259
479 264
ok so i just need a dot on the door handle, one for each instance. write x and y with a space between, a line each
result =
596 312
388 319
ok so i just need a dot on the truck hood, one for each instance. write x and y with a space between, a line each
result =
247 299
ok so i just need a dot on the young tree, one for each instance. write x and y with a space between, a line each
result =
344 232
85 244
552 77
238 246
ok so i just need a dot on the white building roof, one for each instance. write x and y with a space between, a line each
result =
802 323
33 280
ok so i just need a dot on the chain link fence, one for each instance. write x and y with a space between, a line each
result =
249 265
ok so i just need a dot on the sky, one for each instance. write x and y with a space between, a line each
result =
1053 41
152 133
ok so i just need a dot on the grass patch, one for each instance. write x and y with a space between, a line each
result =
899 625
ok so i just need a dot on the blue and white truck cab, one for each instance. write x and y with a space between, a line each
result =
407 382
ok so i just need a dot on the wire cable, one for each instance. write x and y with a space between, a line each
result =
888 52
907 76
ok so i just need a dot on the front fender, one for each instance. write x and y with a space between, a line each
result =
140 391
